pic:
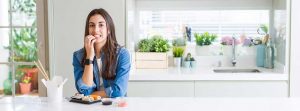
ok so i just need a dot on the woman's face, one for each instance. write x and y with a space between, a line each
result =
98 28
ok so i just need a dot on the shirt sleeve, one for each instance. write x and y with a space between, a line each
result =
78 72
118 88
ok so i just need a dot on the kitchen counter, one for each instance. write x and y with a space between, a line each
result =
157 104
202 73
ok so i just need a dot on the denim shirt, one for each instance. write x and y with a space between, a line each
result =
113 88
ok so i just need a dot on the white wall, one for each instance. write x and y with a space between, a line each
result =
294 48
66 32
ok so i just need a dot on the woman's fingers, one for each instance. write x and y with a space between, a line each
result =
92 42
89 45
89 39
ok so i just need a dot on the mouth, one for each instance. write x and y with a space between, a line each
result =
98 36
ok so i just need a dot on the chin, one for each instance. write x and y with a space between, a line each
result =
100 41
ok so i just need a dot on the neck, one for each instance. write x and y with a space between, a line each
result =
98 48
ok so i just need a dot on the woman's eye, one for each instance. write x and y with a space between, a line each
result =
91 25
101 25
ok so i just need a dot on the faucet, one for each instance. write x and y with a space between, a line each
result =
233 60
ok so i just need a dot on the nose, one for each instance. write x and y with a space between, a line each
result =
96 30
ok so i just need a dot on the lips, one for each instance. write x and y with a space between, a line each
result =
97 36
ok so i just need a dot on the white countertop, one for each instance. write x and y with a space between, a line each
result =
201 73
157 104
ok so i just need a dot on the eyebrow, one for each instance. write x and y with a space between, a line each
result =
99 22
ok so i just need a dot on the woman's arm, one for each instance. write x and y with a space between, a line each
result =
87 77
100 93
78 74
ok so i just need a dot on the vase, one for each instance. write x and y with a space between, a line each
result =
186 64
193 64
7 86
177 61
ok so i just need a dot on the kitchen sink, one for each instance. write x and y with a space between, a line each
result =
236 71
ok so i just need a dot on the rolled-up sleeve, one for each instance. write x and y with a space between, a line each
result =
78 72
118 88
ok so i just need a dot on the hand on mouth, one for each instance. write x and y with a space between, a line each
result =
97 36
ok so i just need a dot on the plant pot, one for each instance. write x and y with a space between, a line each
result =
203 50
34 72
186 64
151 60
193 64
227 50
177 61
25 88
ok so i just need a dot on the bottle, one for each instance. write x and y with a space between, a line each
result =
7 84
269 53
260 55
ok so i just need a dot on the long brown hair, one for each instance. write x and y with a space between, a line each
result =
110 47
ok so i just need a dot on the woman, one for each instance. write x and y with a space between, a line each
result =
102 66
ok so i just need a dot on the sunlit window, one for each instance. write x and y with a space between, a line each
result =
18 47
171 24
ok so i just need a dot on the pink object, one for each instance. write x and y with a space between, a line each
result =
122 104
227 40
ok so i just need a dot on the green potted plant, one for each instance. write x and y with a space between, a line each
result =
158 44
189 61
177 54
152 53
203 42
205 38
25 84
144 45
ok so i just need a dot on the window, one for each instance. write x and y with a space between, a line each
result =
18 47
171 23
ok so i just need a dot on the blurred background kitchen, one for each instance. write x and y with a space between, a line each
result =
179 48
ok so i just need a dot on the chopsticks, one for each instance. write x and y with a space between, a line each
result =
41 68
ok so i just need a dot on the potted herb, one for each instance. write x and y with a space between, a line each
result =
205 38
25 84
144 45
193 62
177 54
189 61
203 42
152 53
158 44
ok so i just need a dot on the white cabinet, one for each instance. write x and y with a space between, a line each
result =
241 89
161 89
208 89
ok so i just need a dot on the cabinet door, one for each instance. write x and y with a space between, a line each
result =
161 89
66 30
241 89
